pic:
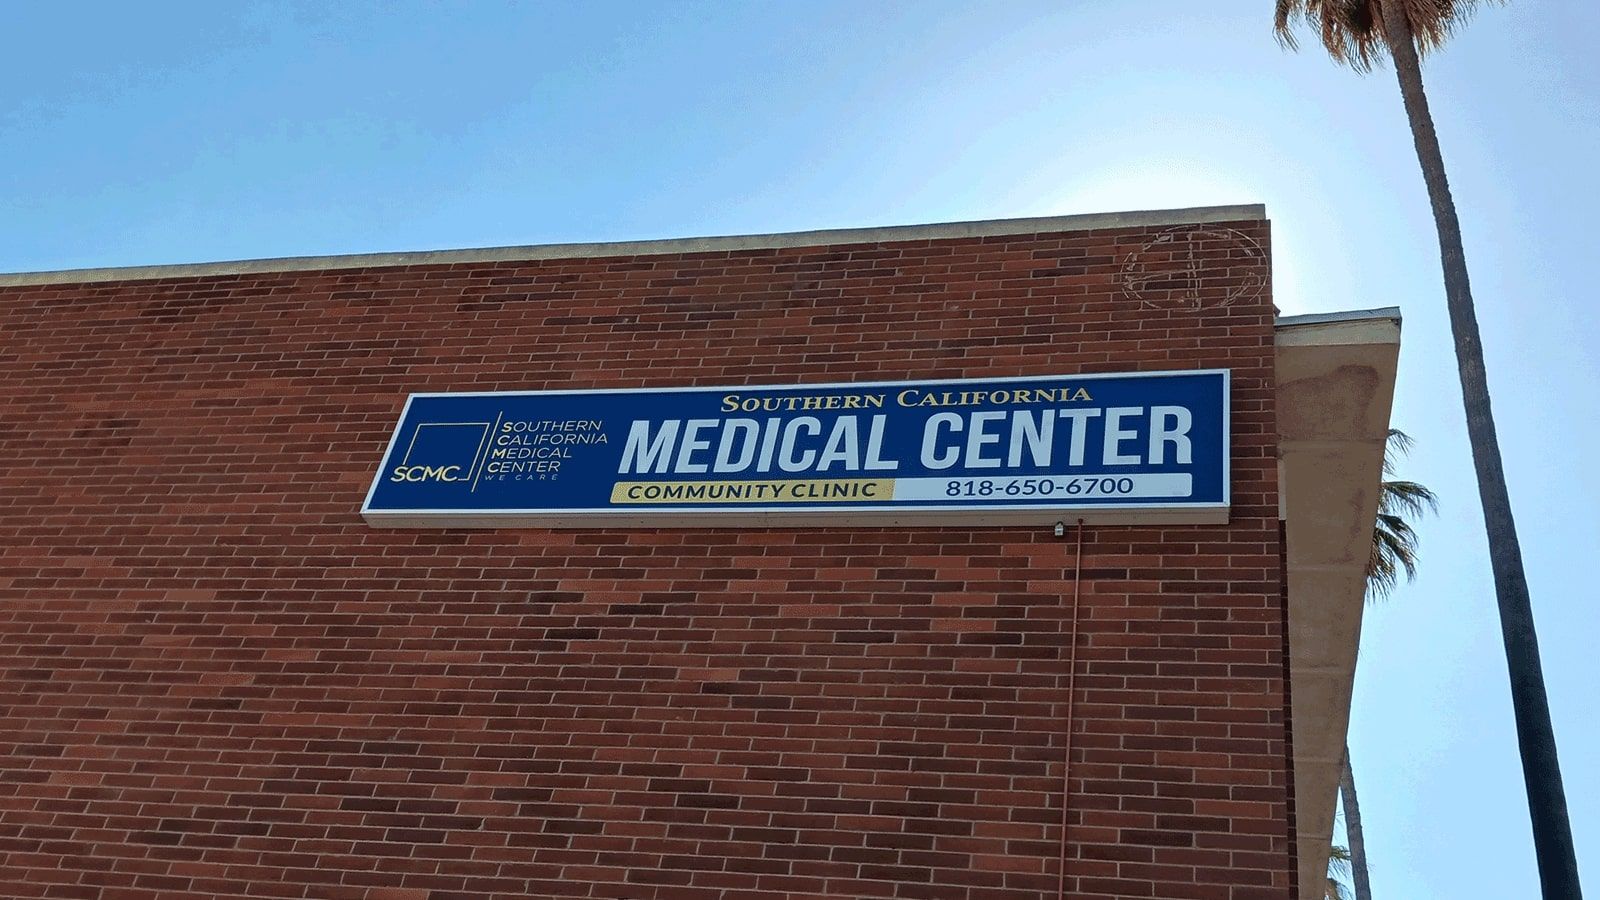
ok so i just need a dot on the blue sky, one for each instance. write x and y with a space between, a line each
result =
167 132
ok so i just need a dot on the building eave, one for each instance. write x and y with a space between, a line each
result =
1336 376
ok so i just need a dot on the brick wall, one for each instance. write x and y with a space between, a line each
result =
216 680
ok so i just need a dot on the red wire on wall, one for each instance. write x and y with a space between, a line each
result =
1072 671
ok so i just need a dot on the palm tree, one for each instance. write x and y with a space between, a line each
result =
1394 542
1394 553
1354 861
1338 871
1358 33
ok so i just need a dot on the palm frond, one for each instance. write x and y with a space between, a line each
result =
1338 873
1396 445
1406 498
1352 30
1433 22
1286 14
1395 545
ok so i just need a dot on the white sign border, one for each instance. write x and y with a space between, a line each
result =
795 516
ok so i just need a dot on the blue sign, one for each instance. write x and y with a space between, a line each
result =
1144 447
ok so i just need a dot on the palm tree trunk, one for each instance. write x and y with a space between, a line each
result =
1541 771
1354 837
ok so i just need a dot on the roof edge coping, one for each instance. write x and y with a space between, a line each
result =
1343 315
1199 215
1345 327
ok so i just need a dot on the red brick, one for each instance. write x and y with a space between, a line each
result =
216 679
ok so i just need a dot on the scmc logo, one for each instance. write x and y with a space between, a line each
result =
441 452
427 473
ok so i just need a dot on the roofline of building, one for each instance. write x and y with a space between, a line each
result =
1199 215
1352 326
1344 315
